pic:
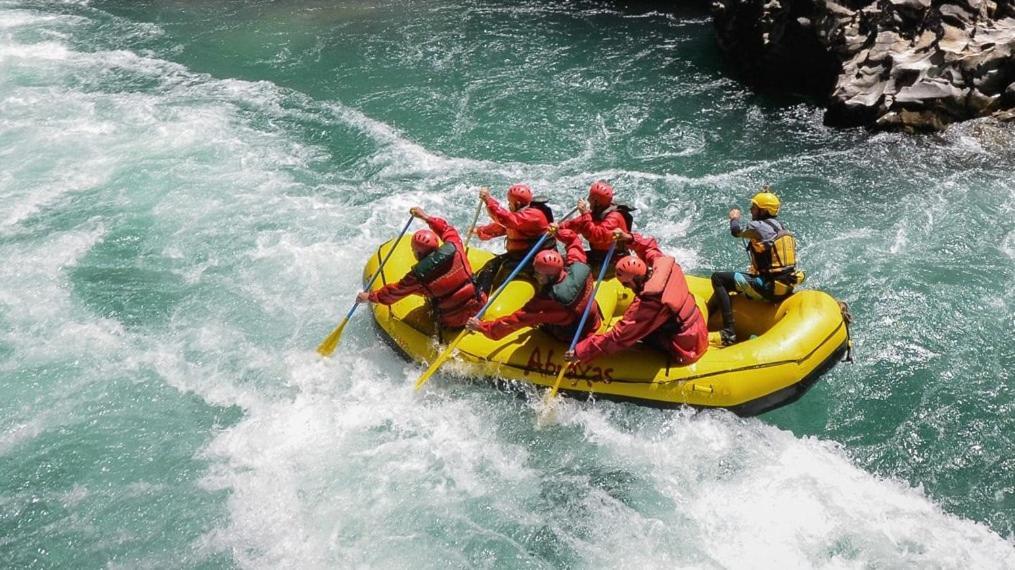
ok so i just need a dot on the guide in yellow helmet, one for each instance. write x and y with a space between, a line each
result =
772 249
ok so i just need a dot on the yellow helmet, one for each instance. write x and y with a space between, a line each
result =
766 201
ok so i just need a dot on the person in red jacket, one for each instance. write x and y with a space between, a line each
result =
663 312
523 222
599 218
560 300
442 275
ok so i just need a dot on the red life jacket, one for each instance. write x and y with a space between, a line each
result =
518 241
446 277
625 213
669 286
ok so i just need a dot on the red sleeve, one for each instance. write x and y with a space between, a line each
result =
445 231
603 230
631 328
393 292
575 224
490 231
646 248
529 221
537 311
575 253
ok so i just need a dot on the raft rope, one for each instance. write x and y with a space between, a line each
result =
847 319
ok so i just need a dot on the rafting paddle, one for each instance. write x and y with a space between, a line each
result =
472 228
546 415
328 345
454 344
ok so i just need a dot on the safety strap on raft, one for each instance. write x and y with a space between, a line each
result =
847 319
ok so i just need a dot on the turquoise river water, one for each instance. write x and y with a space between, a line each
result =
188 191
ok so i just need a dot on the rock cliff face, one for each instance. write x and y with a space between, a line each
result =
890 64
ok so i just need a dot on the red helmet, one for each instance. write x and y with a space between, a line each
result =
630 268
549 263
520 194
600 194
423 242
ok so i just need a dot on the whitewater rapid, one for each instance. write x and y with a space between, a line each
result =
174 248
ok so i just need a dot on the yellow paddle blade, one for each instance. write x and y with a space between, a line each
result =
328 345
548 414
440 359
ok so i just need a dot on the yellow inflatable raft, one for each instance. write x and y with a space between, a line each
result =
791 344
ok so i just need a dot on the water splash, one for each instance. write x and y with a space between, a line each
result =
172 244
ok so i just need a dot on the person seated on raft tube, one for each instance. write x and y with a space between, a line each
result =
663 312
600 216
773 270
523 222
563 291
442 275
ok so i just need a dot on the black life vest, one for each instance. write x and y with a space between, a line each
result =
542 204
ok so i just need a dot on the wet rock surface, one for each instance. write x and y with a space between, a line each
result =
890 64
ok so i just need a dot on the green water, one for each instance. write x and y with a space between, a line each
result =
190 189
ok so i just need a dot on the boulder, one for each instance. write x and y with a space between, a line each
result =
887 64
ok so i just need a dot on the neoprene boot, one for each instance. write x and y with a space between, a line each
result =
728 336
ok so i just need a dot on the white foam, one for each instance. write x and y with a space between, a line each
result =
1007 210
337 462
44 327
395 459
900 241
354 461
74 496
744 492
42 51
1008 244
22 431
404 157
36 291
214 376
28 202
13 19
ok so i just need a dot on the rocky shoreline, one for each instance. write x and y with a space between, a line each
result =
914 65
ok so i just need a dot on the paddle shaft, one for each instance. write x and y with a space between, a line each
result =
592 299
585 317
328 345
472 228
380 268
548 400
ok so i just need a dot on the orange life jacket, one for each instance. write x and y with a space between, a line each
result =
669 286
